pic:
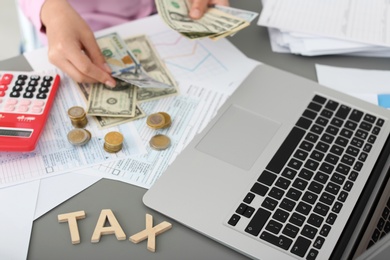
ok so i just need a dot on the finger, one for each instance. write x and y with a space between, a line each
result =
93 51
198 8
87 68
75 74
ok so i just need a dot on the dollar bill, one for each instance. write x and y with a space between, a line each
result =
151 62
106 121
248 16
104 101
116 53
124 64
214 23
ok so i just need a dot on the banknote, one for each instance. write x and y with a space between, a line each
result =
104 101
214 23
116 53
124 64
151 62
248 16
106 121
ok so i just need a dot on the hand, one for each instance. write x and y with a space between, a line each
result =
72 45
199 7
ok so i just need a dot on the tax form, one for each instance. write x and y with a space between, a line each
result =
358 20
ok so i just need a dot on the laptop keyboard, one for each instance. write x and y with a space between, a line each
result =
383 225
305 184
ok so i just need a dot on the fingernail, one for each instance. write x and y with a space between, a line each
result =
107 68
110 83
195 13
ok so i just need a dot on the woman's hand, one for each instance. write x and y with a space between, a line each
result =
72 45
198 7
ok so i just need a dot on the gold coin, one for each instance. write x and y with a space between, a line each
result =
167 119
113 138
160 142
78 116
111 149
155 121
76 112
78 136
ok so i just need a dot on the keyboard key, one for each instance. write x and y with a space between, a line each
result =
318 242
303 208
312 255
343 111
297 219
281 215
285 150
281 241
267 178
249 197
257 222
315 220
274 227
309 231
321 209
290 230
287 204
269 203
327 198
259 189
300 246
356 115
319 99
293 194
325 230
234 220
276 193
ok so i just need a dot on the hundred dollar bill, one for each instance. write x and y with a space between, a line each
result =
214 23
124 64
105 121
151 62
104 101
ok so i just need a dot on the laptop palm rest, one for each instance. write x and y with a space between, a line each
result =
238 137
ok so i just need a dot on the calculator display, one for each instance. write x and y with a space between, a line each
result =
15 133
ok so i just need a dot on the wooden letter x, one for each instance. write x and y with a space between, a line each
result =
150 233
72 218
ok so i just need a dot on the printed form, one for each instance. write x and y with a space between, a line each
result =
207 73
358 20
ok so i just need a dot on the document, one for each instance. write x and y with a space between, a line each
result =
359 20
207 72
369 85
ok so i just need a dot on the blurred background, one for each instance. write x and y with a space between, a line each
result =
9 29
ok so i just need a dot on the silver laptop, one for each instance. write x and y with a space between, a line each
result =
287 169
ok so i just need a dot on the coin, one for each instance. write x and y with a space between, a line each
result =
78 116
78 136
167 119
160 142
113 142
155 121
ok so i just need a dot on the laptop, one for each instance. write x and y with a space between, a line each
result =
287 169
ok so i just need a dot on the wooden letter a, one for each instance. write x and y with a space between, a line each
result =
100 229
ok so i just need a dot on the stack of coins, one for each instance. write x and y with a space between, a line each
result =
78 116
113 142
79 136
159 120
160 142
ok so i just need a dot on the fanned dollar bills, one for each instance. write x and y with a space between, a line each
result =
114 106
214 24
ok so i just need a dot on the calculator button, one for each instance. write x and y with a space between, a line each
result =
41 96
22 76
33 83
20 82
6 79
35 77
9 108
43 90
15 94
12 102
28 95
36 110
2 93
46 84
22 109
25 102
39 103
3 87
47 78
17 88
30 89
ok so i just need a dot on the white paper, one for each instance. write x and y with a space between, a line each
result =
359 20
360 83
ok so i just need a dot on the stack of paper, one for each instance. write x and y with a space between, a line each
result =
316 27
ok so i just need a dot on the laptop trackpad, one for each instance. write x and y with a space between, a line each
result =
238 137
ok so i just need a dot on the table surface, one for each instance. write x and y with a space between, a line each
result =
51 240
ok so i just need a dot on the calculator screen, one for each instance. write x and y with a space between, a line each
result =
15 132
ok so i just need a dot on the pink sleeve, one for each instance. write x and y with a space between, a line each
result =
32 10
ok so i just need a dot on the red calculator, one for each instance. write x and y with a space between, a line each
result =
25 102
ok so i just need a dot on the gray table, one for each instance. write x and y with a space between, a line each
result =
51 240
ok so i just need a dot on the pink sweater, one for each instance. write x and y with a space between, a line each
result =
99 14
